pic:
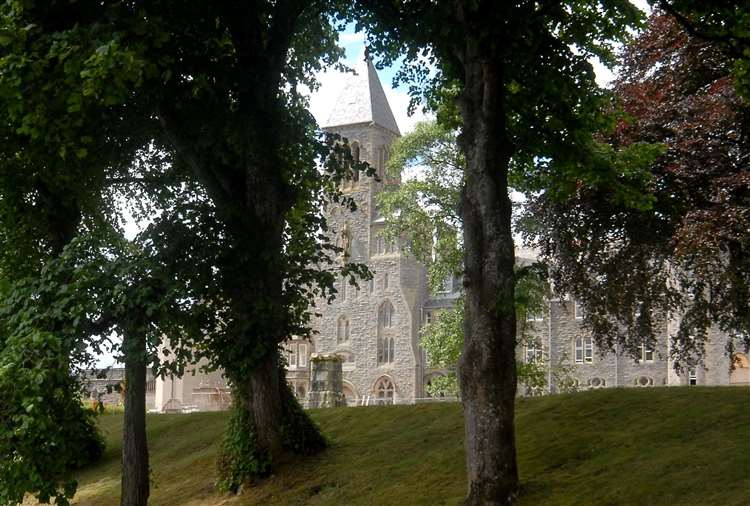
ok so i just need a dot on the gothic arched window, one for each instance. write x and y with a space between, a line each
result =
384 390
385 315
342 330
386 342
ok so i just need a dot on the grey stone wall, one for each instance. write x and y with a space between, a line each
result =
398 280
559 329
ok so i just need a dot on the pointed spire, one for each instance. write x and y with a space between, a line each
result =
362 100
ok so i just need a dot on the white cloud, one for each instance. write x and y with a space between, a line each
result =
399 102
346 38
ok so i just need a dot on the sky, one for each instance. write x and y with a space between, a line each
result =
331 81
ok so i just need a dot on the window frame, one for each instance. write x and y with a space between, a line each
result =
644 354
533 353
301 355
343 335
588 350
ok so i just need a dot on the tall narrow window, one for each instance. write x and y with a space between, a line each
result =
385 281
385 344
647 354
355 158
386 350
692 378
588 350
385 315
302 355
381 163
342 292
293 356
342 330
371 286
579 350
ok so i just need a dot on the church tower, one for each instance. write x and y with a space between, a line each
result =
374 327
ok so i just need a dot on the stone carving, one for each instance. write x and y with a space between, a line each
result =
345 242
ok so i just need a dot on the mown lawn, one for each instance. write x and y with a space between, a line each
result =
637 447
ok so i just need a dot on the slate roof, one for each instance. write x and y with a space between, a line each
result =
362 100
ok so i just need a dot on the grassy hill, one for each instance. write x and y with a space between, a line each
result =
645 447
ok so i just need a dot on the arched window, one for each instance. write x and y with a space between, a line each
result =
342 330
355 157
386 350
384 391
386 314
386 342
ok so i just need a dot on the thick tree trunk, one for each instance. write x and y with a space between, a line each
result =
487 368
135 466
265 404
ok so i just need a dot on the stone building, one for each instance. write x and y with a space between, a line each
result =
107 386
374 327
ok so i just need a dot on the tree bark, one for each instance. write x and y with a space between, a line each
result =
265 404
487 368
135 465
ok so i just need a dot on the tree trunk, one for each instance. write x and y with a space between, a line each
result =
135 467
265 404
487 368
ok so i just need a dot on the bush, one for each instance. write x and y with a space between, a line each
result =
45 431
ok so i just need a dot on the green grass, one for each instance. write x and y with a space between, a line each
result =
641 447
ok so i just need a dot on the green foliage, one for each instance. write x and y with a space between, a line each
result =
726 24
45 432
664 233
240 459
562 375
532 377
443 338
194 117
424 210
